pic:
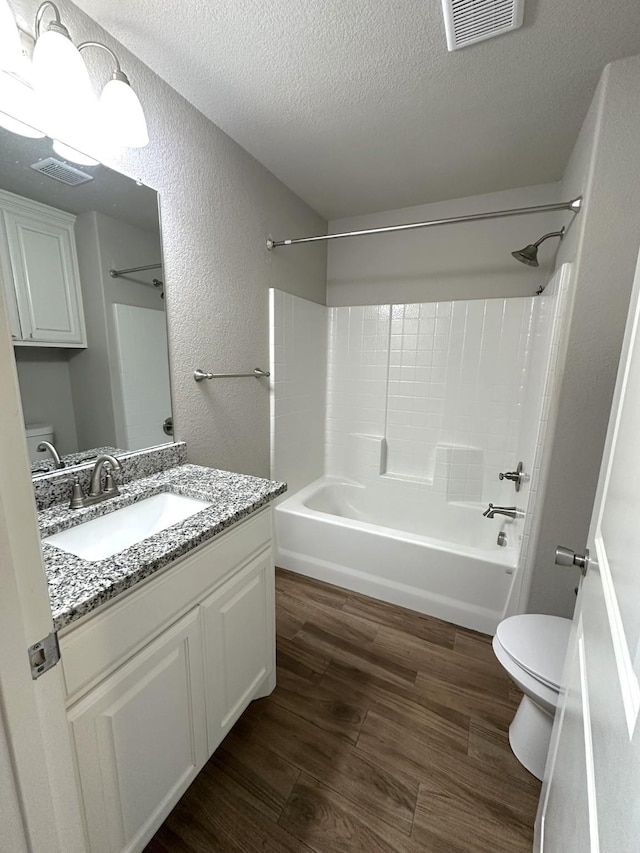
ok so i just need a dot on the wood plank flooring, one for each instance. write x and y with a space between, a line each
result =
387 733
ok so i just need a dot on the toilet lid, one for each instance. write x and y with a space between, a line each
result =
537 643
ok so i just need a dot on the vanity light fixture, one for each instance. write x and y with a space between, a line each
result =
67 103
62 100
17 99
121 114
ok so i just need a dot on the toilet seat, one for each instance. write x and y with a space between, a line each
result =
537 644
546 697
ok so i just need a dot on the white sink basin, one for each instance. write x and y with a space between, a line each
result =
108 535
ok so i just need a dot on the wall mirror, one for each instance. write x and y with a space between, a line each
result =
81 267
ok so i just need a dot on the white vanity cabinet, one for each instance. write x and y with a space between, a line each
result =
156 679
40 273
238 626
140 738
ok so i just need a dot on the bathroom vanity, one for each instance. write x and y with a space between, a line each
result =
163 645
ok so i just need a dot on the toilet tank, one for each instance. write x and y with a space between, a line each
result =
35 434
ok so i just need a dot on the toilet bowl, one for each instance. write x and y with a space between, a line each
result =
532 647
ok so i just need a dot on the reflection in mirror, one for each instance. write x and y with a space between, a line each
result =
90 346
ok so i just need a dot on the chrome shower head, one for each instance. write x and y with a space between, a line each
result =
529 255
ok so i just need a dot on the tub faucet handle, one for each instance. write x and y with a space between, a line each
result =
517 477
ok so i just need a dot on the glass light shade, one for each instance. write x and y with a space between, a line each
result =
121 115
11 58
18 107
69 153
62 85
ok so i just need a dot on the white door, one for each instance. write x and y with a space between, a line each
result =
143 372
590 799
37 783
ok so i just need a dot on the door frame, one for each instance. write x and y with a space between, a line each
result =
36 756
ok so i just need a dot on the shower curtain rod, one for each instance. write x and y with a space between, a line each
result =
117 273
573 205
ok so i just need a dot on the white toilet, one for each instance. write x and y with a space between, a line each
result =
532 648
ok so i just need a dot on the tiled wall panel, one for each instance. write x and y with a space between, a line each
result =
358 361
442 383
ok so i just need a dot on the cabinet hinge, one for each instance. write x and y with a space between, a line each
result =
44 655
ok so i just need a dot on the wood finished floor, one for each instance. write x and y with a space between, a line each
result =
387 733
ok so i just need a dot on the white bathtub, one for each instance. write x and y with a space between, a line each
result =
396 542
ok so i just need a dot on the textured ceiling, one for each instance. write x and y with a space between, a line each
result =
358 106
109 192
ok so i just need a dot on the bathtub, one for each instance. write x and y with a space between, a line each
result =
403 544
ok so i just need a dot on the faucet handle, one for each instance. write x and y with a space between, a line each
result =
110 487
77 494
517 477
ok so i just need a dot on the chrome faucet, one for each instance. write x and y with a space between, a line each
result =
509 511
46 445
97 492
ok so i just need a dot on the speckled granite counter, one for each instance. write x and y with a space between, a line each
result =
76 586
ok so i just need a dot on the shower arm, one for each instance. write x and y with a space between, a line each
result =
559 234
574 205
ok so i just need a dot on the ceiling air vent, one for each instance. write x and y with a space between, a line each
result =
62 172
469 21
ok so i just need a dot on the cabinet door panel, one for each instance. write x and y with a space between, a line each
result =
141 739
46 279
239 644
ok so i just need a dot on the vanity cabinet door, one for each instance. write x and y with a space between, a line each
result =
140 739
239 644
44 269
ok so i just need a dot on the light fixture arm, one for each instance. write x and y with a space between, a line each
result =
56 24
86 44
118 73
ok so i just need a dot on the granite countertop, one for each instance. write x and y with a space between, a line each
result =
77 586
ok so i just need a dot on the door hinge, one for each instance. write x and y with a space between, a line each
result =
44 655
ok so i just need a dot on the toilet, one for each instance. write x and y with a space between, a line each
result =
35 434
532 647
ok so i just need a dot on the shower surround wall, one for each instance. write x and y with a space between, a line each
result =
429 393
298 387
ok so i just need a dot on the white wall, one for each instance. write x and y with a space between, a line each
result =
298 389
464 261
45 389
91 377
104 243
218 204
545 364
604 243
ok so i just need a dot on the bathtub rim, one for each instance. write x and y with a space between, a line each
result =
294 504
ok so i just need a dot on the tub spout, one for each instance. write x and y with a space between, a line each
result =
509 511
